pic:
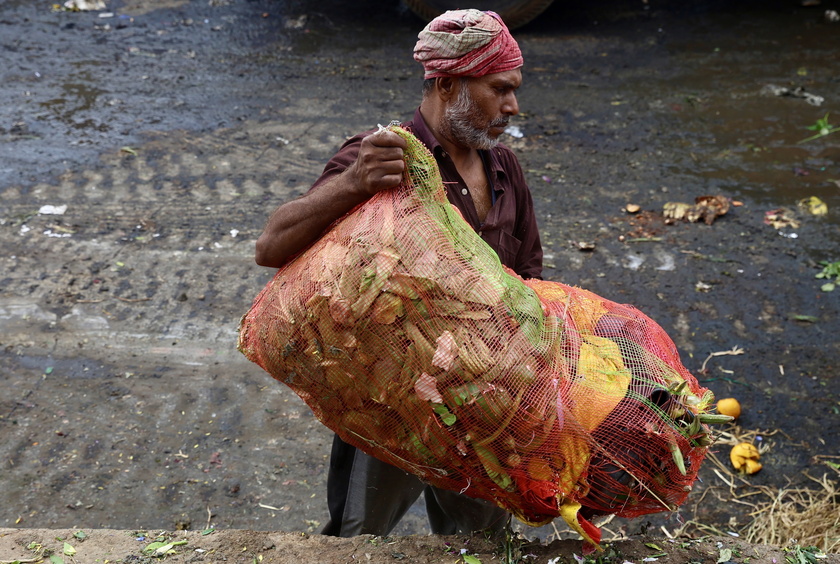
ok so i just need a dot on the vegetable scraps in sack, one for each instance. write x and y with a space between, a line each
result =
405 335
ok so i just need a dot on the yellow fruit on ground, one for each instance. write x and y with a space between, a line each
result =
729 406
745 458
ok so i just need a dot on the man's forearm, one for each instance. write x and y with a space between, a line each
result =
297 224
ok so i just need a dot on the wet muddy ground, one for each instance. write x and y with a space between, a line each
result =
171 129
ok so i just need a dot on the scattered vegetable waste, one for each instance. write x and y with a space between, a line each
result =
831 272
745 458
814 206
705 208
822 127
781 218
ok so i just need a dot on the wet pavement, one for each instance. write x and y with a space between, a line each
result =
171 129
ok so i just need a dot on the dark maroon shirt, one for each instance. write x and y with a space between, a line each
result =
510 227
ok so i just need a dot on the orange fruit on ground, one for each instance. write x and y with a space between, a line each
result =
729 406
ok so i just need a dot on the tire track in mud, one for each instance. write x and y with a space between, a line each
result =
171 444
158 239
135 317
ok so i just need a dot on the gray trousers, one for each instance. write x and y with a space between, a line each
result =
368 496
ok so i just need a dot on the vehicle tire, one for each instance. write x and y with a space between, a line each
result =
515 13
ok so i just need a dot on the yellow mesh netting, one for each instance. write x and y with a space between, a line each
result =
405 335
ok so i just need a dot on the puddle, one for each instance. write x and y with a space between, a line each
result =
79 97
739 135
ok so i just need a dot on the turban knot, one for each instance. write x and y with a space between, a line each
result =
468 43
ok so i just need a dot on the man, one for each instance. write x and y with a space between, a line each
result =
472 71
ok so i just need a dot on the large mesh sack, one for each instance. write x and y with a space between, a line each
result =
406 336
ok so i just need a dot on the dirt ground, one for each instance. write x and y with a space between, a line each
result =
170 129
102 545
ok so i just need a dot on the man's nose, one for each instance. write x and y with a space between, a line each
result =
510 106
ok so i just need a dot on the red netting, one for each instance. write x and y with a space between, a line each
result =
406 336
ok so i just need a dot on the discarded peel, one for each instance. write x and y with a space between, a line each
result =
745 458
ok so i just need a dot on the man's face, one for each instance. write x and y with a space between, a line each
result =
482 108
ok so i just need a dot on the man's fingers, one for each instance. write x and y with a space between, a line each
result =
390 174
383 149
385 138
388 181
386 155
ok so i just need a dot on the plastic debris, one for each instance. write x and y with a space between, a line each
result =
51 233
84 5
52 210
797 92
296 23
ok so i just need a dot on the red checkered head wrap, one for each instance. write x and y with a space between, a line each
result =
468 43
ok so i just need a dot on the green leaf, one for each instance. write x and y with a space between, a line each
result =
446 416
827 287
164 549
493 467
725 555
161 548
208 531
69 550
152 547
823 127
469 559
56 559
81 535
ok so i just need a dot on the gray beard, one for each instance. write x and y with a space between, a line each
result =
459 120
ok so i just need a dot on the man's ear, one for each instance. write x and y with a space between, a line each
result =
447 87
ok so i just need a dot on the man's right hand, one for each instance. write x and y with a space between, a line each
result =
380 164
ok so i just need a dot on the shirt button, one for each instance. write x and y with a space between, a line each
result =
464 191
